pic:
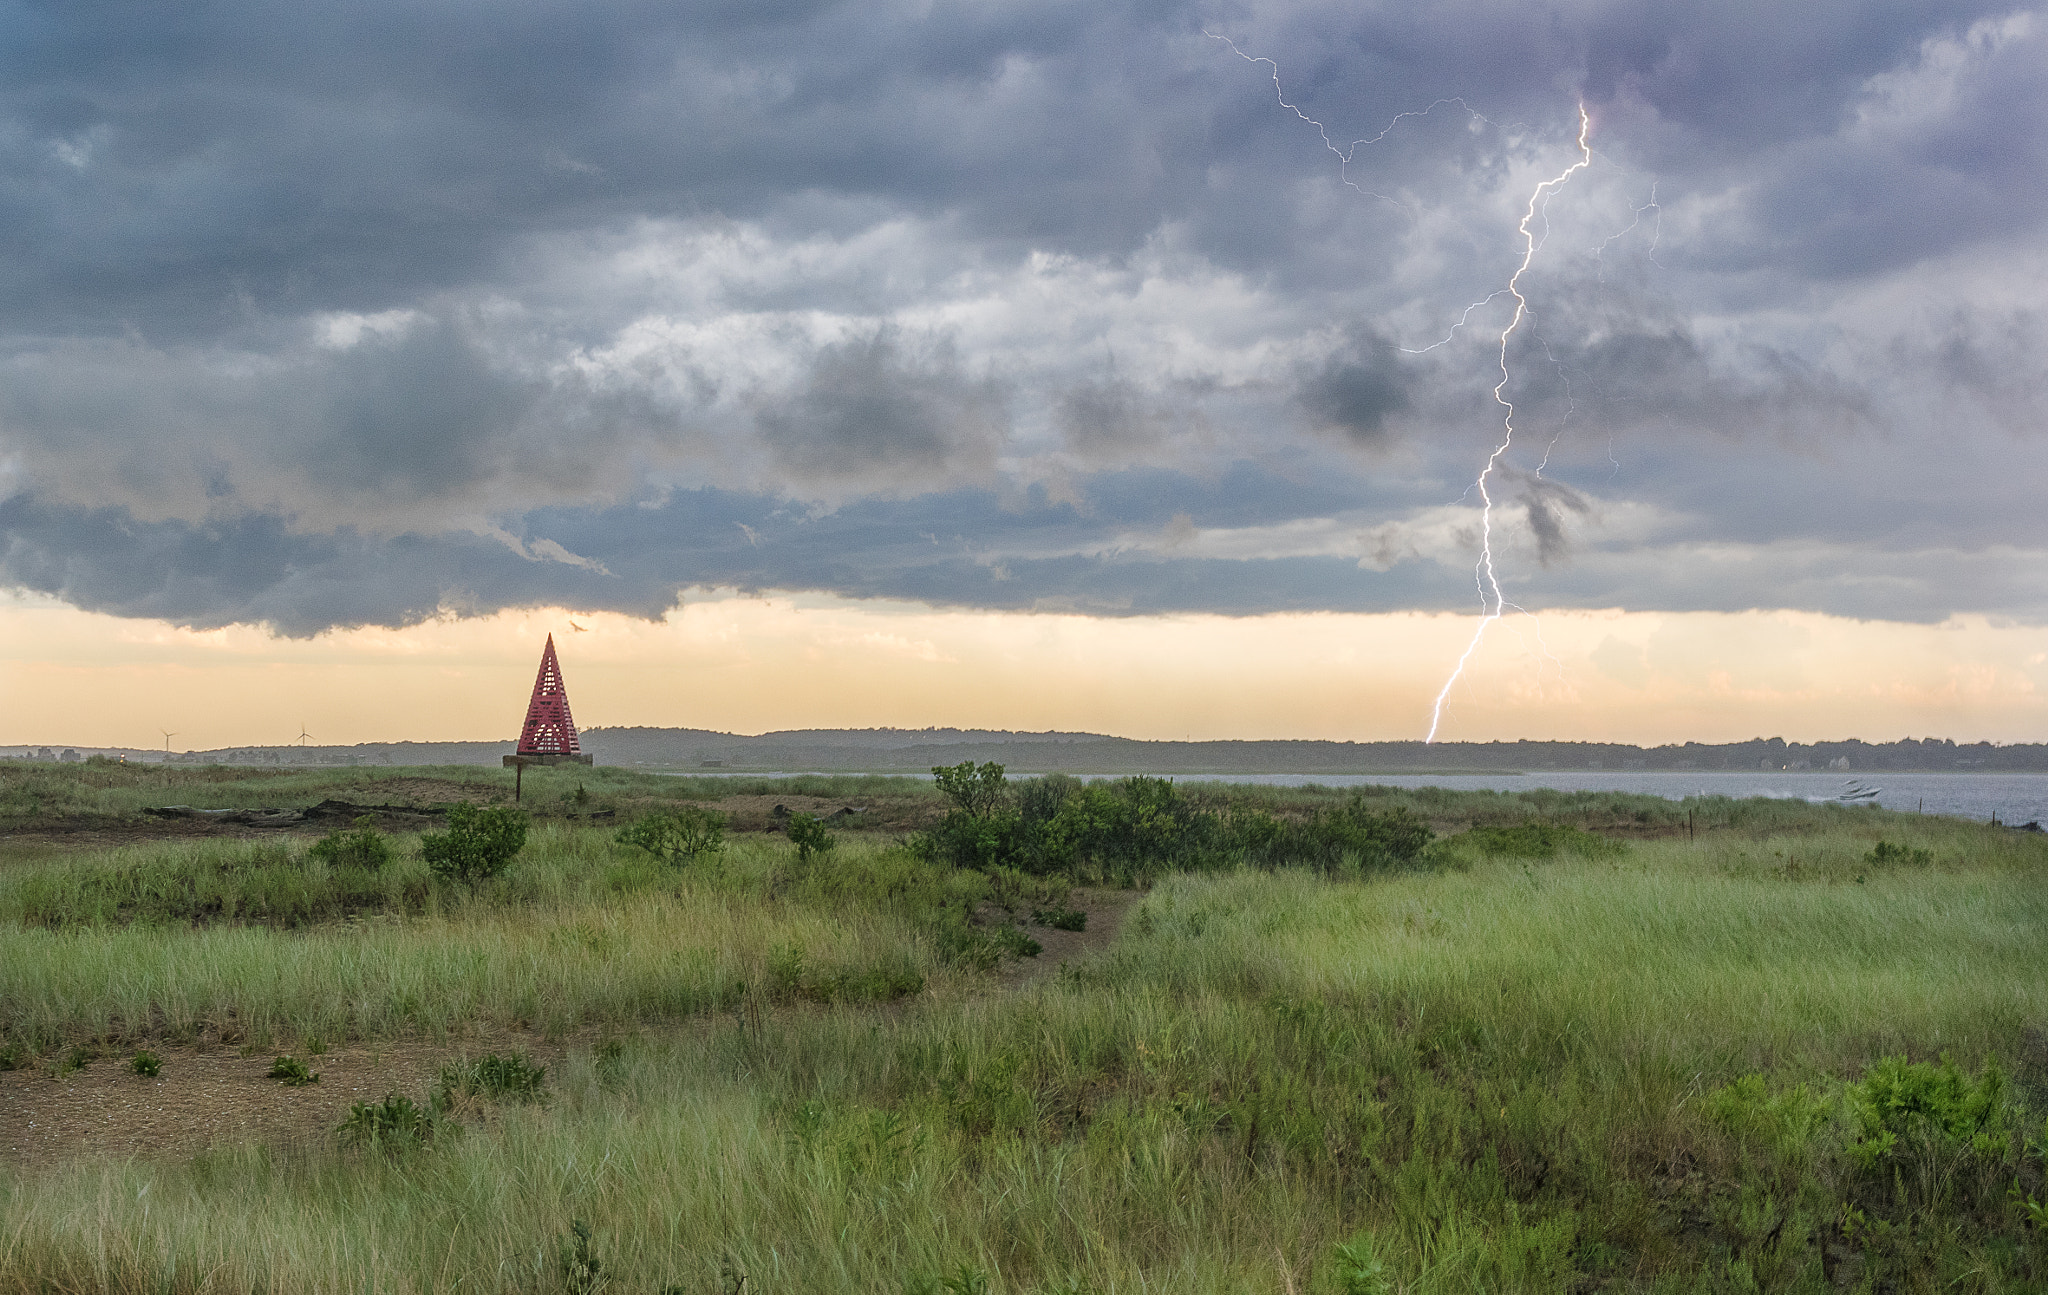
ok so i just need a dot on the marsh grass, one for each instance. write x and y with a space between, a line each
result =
124 790
1628 1072
579 933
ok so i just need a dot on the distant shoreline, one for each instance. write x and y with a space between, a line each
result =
915 751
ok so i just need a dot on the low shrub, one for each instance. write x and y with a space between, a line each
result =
1888 854
479 843
1908 1111
362 846
807 833
677 836
1538 838
1360 1269
1927 1138
1138 826
490 1078
394 1124
146 1063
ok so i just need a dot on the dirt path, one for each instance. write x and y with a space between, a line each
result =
1106 910
204 1097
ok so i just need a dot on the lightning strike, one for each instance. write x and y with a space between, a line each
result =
1483 572
1350 151
1492 602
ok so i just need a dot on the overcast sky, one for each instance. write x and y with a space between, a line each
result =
365 315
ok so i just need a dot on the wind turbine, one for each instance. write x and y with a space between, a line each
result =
168 735
303 735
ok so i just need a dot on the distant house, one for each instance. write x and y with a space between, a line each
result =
1839 762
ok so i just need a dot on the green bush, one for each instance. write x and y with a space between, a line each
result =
809 836
677 836
1141 825
394 1124
360 847
490 1078
1888 854
1360 1269
1538 839
478 844
974 788
1128 827
146 1063
1039 799
1906 1109
1348 836
999 838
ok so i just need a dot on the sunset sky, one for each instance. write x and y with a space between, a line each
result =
1026 365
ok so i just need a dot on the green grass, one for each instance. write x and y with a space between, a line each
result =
1627 1070
580 932
118 790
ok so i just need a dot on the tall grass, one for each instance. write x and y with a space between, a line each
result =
1515 1076
118 790
581 932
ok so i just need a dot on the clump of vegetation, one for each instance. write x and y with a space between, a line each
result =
1141 826
1538 838
1061 919
1360 1269
1925 1126
362 846
490 1078
204 883
146 1063
577 1261
291 1072
678 836
395 1124
1890 854
479 843
807 833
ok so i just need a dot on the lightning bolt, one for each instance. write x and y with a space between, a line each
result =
1492 602
1483 572
1350 151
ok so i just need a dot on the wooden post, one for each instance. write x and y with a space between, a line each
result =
518 780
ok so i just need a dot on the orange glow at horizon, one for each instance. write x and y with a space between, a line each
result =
744 664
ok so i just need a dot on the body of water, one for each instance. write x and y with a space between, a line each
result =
2014 797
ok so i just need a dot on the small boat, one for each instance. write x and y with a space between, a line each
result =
1856 793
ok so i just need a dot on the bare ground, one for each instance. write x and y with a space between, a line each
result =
216 1094
205 1096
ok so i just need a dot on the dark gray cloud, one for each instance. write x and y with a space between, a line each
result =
367 313
885 414
1353 391
1545 504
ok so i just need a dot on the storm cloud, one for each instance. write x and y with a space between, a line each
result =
374 314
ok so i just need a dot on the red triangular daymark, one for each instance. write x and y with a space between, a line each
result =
549 730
